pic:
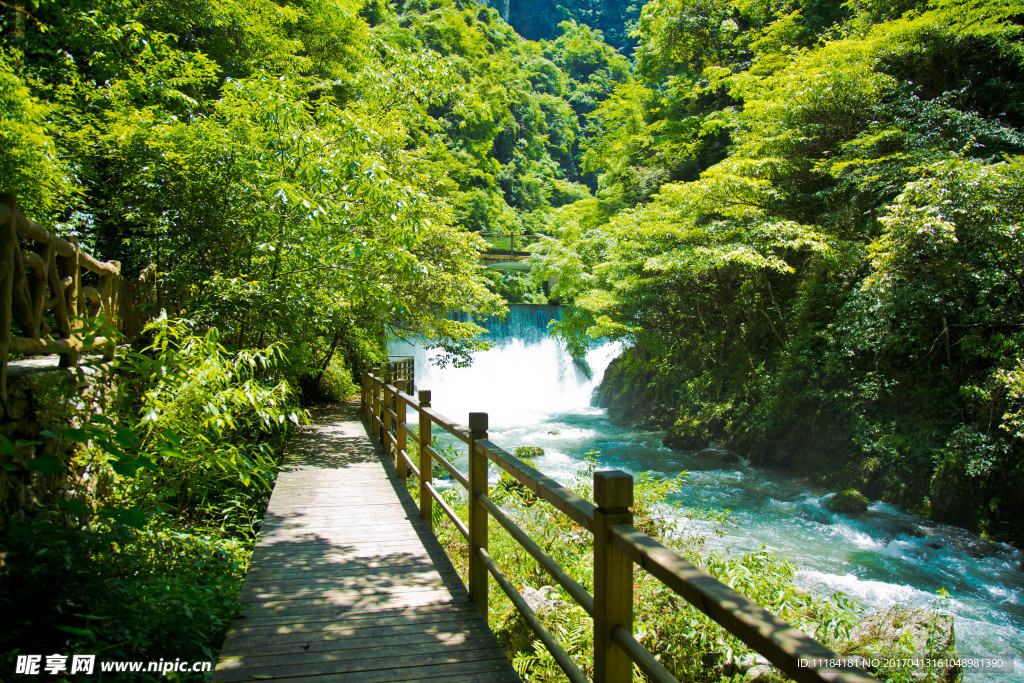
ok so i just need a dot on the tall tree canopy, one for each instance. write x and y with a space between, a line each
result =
813 244
306 171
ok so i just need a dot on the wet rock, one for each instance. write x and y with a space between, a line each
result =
896 528
763 673
731 458
980 548
908 529
681 441
848 501
928 635
623 389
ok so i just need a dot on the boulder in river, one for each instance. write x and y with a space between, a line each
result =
681 440
850 500
814 514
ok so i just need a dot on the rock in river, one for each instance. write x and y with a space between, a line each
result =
850 500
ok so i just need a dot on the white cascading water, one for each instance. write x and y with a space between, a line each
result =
525 378
517 383
536 396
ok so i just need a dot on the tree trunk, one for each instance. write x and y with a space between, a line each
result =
330 355
273 275
725 303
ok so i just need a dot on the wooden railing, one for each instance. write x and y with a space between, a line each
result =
54 275
618 546
402 370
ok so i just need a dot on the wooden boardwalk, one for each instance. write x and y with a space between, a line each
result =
347 583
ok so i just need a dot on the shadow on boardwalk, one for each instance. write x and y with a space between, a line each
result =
347 583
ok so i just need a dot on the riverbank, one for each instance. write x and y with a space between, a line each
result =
880 558
687 642
820 441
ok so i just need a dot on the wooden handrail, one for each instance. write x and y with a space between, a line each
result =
48 276
618 548
561 657
565 501
32 230
572 587
762 630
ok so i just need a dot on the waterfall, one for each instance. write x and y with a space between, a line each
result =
526 377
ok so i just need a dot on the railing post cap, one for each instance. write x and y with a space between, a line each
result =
613 490
478 423
424 397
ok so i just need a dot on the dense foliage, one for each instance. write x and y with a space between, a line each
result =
141 552
302 172
814 243
541 19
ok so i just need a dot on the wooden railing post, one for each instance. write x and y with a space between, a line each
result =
400 444
426 462
362 394
72 300
375 403
613 577
477 512
385 416
368 379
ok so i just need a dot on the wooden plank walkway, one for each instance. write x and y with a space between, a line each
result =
347 583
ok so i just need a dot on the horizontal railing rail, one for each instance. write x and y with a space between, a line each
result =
511 252
618 548
52 280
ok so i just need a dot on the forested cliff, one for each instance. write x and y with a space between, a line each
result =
808 226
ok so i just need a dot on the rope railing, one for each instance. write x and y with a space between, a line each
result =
54 290
618 546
